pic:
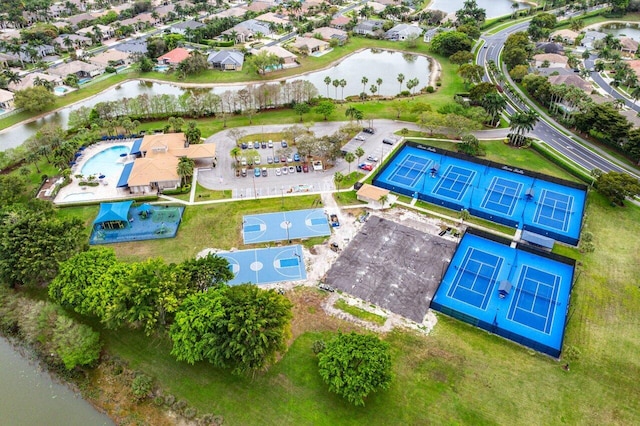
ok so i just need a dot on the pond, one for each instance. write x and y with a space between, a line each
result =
28 396
622 30
494 8
370 63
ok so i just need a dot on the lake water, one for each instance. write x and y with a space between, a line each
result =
368 63
494 8
620 30
29 396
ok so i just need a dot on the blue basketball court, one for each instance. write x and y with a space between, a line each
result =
514 197
284 226
266 265
518 293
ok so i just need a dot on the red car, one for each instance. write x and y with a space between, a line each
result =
365 166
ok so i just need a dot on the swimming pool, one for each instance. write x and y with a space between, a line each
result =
84 80
106 162
161 68
79 196
60 89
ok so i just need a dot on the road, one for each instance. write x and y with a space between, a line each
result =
582 153
604 84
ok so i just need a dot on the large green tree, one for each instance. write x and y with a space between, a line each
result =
450 42
354 365
325 108
205 272
618 186
34 99
240 327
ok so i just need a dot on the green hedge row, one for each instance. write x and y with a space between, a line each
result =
550 154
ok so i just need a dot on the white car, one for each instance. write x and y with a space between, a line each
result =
372 158
278 172
256 160
285 170
360 138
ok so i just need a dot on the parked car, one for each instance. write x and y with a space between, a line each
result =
278 171
372 158
244 145
269 160
284 144
256 172
283 159
256 145
299 168
276 159
264 172
289 159
263 145
256 159
388 141
365 166
360 138
244 172
296 157
243 161
369 130
292 169
285 170
305 168
270 144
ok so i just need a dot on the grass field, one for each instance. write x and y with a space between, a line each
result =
455 375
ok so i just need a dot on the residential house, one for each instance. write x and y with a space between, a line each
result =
288 58
273 18
182 27
75 20
28 80
111 57
79 68
565 36
5 58
257 6
104 32
36 52
340 22
403 32
328 34
550 47
432 32
141 21
628 45
550 60
247 30
174 57
156 169
226 60
368 27
376 6
571 80
635 66
10 34
6 100
163 11
233 12
136 46
76 41
310 45
592 39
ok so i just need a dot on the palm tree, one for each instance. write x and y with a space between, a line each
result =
364 82
400 80
359 153
185 169
635 93
235 153
494 104
383 200
338 178
336 83
343 84
349 158
373 89
327 81
522 123
11 76
379 83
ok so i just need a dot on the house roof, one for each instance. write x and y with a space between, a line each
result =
73 37
73 67
188 25
629 44
564 34
328 33
279 51
109 55
157 169
550 47
273 18
231 12
371 192
310 42
226 57
340 20
5 95
138 45
175 56
405 29
571 80
257 6
553 58
28 79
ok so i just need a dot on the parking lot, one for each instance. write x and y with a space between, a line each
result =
272 183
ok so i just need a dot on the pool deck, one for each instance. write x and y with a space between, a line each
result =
105 191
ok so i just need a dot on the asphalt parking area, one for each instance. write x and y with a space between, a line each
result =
393 266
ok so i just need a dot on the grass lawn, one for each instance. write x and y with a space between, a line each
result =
359 312
455 375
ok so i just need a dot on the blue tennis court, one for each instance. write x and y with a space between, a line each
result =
283 226
518 293
266 265
454 182
553 210
528 200
475 277
502 196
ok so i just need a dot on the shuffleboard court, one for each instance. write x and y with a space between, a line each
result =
266 265
454 182
475 277
502 196
283 226
553 210
533 303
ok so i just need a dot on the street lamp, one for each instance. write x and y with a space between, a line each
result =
286 226
282 190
